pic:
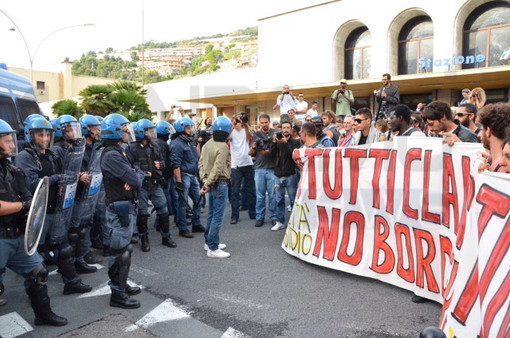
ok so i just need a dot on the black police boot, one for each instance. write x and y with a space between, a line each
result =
197 228
40 301
146 247
134 239
132 290
83 267
76 287
169 242
122 300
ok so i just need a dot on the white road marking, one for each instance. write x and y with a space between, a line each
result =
235 300
13 325
142 271
164 312
54 272
104 289
233 333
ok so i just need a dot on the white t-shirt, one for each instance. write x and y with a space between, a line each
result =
300 106
285 102
312 112
239 149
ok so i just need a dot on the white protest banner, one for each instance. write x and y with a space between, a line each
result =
396 212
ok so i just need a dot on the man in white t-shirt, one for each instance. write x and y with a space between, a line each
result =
242 168
285 100
301 108
313 110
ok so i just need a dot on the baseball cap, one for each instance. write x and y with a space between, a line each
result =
317 120
343 81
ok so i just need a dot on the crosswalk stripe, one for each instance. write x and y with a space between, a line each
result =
164 312
54 272
13 325
104 289
233 333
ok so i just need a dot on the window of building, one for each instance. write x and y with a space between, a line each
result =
487 33
41 85
357 54
416 42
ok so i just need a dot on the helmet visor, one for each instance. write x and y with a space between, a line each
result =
128 134
71 131
94 132
8 145
41 138
150 134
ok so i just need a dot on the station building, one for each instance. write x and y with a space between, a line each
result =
432 49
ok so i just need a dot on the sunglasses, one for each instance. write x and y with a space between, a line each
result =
359 120
462 114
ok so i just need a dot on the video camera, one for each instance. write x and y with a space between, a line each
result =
243 117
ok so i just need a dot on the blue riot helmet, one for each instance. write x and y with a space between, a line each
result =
28 119
39 134
138 131
181 124
71 129
56 127
90 127
222 124
8 140
99 118
163 128
117 127
148 129
221 129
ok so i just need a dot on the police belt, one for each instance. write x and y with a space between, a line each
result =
153 181
10 232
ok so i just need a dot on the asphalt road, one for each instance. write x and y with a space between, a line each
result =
260 291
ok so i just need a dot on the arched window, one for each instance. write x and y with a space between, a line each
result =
487 34
357 54
416 42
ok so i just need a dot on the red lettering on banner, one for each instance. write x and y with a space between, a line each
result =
423 266
469 194
504 330
412 155
446 251
380 245
426 215
354 155
359 220
495 306
391 182
449 198
467 297
335 192
379 155
494 203
327 235
312 180
406 274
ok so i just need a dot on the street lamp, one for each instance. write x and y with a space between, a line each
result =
32 56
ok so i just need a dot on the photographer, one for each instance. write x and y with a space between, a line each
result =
285 100
242 166
203 135
285 171
343 98
264 170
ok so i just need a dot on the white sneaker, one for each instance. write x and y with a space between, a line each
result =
221 246
289 208
278 226
217 254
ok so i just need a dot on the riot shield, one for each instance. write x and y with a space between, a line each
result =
36 216
91 190
71 166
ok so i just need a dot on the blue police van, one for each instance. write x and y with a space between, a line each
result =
17 99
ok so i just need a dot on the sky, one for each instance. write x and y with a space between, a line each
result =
118 24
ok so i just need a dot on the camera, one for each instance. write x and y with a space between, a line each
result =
279 135
341 91
474 96
242 117
262 143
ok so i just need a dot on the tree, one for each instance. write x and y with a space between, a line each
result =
95 100
108 50
67 107
134 56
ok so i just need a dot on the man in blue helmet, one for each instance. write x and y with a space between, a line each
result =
87 193
164 130
146 156
38 161
184 158
15 200
214 167
121 182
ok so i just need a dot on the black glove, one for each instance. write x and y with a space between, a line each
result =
25 205
179 187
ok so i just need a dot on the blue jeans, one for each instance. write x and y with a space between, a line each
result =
265 182
217 201
14 257
191 189
288 183
238 174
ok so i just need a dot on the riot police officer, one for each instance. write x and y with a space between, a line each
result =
146 157
15 201
121 181
38 161
184 158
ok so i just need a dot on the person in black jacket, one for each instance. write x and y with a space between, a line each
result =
285 170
